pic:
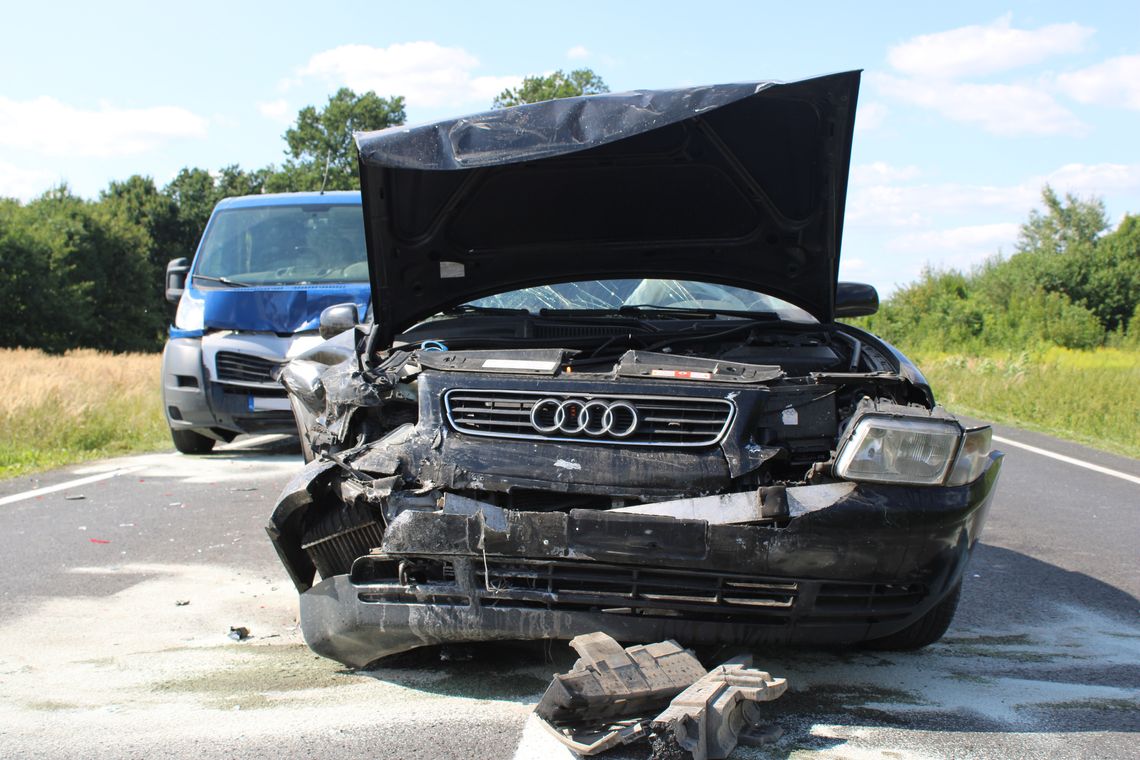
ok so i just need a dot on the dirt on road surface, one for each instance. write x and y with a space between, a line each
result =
128 655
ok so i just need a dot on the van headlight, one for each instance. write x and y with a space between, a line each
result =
898 448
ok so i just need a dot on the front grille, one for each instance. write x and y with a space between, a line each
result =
876 601
633 420
618 588
242 368
697 595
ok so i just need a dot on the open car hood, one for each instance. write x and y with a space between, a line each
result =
742 184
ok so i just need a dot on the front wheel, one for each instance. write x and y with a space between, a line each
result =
926 630
189 442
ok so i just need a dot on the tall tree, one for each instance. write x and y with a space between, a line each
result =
1063 224
195 192
104 284
557 85
30 302
1064 249
321 141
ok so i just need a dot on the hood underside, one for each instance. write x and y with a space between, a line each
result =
742 184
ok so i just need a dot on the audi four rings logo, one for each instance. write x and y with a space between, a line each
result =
575 416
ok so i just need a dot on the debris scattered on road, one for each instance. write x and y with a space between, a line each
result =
244 488
706 719
183 603
611 695
98 540
74 497
239 633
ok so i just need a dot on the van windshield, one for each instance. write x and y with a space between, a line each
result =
284 245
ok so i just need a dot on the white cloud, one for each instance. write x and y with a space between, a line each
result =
276 110
880 171
45 125
984 49
1115 82
578 52
24 184
964 245
881 197
870 116
1001 109
1091 179
425 73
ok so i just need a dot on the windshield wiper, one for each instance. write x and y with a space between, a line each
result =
651 311
223 280
467 308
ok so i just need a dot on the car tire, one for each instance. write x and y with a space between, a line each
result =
189 442
924 631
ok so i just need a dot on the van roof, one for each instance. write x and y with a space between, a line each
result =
330 198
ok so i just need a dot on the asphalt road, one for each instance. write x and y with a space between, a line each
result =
120 593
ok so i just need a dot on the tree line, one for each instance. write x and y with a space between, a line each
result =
79 273
89 273
1072 281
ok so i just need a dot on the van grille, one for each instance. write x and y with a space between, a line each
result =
242 368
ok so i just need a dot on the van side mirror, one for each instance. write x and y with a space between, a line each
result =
176 272
855 299
337 318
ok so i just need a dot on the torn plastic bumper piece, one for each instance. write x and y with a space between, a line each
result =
608 697
707 719
589 709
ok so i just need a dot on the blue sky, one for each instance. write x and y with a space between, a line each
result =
966 109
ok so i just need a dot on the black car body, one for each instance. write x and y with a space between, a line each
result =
606 390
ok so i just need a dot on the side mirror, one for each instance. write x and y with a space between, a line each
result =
855 299
337 318
176 272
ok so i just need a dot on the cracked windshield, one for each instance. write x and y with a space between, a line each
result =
610 295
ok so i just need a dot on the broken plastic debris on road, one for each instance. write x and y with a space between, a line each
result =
656 692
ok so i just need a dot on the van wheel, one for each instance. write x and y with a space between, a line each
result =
189 442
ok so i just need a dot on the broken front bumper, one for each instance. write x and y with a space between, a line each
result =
846 564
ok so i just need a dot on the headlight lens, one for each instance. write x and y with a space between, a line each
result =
972 457
191 314
897 450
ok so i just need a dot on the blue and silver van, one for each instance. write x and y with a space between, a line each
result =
265 269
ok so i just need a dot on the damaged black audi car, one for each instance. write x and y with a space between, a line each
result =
604 389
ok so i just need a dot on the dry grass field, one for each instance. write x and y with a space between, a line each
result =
59 409
1092 397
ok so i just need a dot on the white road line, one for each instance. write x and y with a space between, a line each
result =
1070 460
249 443
65 486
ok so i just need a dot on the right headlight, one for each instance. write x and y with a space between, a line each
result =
898 450
914 451
972 456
